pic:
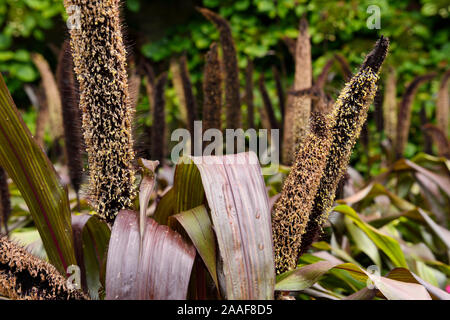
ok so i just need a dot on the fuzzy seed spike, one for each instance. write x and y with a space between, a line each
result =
346 121
390 105
42 117
134 81
443 104
5 202
404 112
298 112
191 104
301 110
71 115
52 96
232 95
323 103
249 94
268 107
25 277
100 65
439 138
158 132
280 91
375 58
427 140
290 217
212 91
177 83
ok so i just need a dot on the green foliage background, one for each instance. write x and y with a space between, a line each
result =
418 31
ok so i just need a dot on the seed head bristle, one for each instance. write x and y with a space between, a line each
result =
404 112
298 110
100 65
231 76
390 105
346 121
309 190
212 91
25 277
68 88
291 214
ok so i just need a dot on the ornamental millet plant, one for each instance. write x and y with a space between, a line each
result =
5 202
25 277
404 112
294 205
347 120
443 103
73 139
100 66
212 90
320 163
298 109
249 94
231 70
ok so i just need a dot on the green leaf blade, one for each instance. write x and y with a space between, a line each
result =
38 183
197 224
387 244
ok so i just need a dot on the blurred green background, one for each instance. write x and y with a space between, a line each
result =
161 29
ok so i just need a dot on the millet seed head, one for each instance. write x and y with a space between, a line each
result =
25 277
292 210
346 121
100 65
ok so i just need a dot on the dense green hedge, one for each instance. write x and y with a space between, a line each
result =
418 30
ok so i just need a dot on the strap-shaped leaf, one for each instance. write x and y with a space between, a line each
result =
441 232
387 244
37 181
198 226
240 215
236 194
160 269
442 181
363 242
392 289
402 274
91 238
187 185
146 189
165 208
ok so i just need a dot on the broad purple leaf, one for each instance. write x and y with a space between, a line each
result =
236 194
91 237
159 269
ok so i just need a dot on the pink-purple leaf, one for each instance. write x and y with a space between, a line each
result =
236 194
157 268
91 238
